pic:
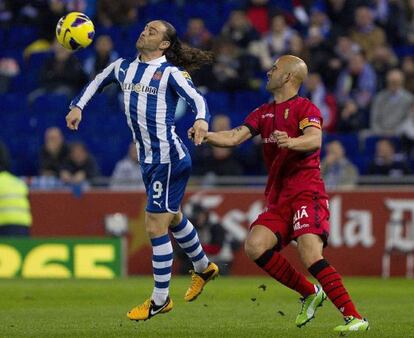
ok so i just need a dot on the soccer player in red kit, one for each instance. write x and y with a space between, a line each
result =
296 201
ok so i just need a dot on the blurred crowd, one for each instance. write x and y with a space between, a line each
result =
360 55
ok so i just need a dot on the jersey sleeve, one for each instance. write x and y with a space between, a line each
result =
183 85
310 116
252 121
104 78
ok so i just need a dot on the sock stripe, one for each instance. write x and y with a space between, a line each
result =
201 255
274 264
334 288
279 268
344 303
180 226
284 271
162 271
162 258
290 277
339 296
162 285
192 248
329 274
187 238
157 241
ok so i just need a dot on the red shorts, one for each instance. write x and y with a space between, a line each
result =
291 217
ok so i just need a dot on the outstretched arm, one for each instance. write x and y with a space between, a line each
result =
310 140
228 138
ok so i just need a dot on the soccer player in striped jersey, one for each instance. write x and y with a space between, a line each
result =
296 201
152 84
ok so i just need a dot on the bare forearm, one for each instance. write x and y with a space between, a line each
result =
305 143
222 138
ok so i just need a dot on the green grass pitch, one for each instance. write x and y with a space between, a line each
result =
228 307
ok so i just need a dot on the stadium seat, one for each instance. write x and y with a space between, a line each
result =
12 103
371 141
349 141
20 36
218 102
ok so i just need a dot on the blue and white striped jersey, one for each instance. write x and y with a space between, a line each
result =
151 92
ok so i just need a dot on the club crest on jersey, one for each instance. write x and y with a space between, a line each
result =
157 75
186 75
286 113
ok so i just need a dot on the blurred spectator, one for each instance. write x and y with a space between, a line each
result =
390 15
391 106
365 33
127 173
274 43
6 13
355 89
54 153
410 21
298 48
110 13
407 67
212 237
319 22
239 29
61 74
341 14
314 89
197 35
336 169
406 132
15 215
104 55
258 12
45 15
9 68
319 47
80 167
383 61
343 50
215 161
233 69
387 162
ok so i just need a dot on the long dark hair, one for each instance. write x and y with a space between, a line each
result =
183 56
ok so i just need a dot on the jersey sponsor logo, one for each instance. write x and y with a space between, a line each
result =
286 113
157 75
140 88
310 121
267 115
270 139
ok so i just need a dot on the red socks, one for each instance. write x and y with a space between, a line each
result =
331 283
280 269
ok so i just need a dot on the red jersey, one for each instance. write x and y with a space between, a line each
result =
290 172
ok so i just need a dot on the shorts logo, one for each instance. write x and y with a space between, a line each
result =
158 203
286 114
298 226
267 115
299 214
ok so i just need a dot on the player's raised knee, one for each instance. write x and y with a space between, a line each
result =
254 247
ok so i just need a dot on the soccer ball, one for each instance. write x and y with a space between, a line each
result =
75 31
